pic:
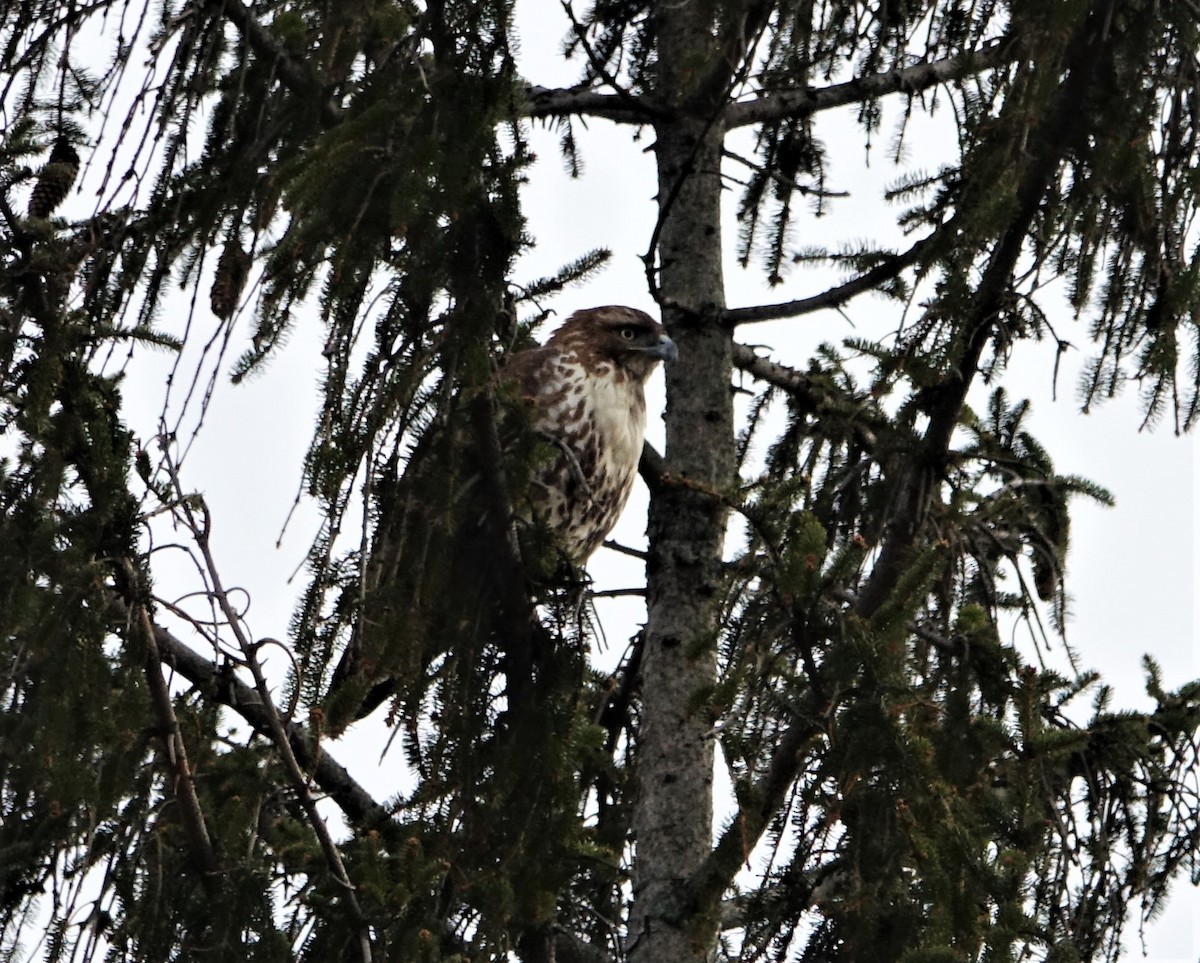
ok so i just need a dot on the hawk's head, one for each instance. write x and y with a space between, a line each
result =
628 340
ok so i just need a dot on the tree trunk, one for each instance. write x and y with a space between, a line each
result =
673 816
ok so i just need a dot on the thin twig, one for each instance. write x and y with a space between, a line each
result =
299 780
191 815
624 549
790 183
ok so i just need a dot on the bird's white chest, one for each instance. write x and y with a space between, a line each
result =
619 414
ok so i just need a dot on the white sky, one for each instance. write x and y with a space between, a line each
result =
1131 570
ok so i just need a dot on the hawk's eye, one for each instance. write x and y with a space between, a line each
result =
628 334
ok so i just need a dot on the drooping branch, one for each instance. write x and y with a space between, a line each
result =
734 45
1049 141
911 80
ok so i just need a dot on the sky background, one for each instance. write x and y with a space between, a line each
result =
1131 569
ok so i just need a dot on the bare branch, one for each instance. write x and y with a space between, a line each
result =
219 684
626 108
625 549
201 528
275 729
619 593
183 784
835 296
911 80
772 372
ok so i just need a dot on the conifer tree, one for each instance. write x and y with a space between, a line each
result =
905 784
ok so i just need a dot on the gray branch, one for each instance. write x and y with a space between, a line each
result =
914 79
833 297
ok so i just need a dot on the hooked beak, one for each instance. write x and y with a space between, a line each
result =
665 350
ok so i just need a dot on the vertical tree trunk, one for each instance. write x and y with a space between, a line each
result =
673 817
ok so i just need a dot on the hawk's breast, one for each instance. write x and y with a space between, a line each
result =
597 418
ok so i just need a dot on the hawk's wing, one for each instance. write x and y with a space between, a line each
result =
446 575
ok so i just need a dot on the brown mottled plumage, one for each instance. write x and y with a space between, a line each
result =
586 390
433 585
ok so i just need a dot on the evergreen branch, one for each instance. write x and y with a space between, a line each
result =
627 108
909 80
759 805
837 295
598 64
1049 140
790 183
297 75
526 634
801 387
33 282
569 948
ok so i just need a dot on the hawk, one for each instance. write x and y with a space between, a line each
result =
434 588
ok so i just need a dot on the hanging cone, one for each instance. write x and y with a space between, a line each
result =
55 180
232 269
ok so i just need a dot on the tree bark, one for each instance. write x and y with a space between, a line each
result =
673 815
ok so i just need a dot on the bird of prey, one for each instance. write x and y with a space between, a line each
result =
565 425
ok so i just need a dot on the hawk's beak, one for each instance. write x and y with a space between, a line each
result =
665 350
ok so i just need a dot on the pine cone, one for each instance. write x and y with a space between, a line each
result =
1046 575
227 286
55 180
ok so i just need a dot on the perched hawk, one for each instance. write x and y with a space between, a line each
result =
569 457
585 389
